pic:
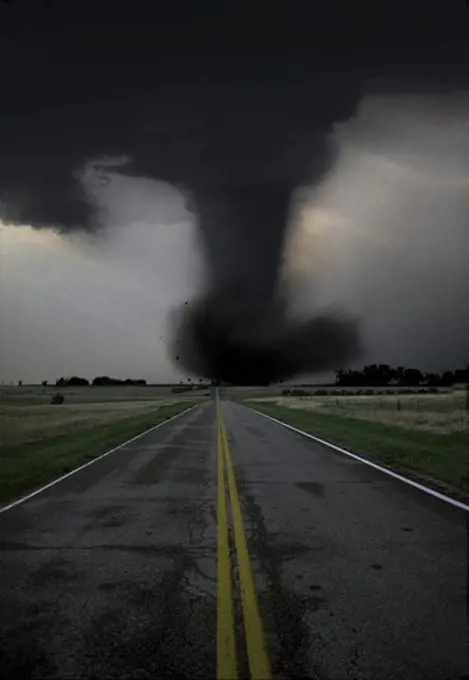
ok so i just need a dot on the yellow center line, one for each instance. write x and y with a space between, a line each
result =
226 649
259 665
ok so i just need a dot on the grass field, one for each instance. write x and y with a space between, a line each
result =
444 412
428 437
40 441
31 395
27 424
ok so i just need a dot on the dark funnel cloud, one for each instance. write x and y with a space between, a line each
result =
227 337
232 103
240 330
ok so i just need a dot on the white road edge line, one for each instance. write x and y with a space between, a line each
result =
28 497
421 487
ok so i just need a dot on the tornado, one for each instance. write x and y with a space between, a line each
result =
241 329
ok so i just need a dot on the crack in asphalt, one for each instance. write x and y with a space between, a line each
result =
283 610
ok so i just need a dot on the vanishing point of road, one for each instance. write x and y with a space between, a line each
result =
223 545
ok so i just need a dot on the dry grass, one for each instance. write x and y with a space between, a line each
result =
439 413
26 424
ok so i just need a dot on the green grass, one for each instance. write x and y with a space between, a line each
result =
444 458
48 412
27 466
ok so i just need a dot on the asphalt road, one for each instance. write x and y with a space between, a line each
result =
120 570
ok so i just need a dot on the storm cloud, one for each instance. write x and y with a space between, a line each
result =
236 112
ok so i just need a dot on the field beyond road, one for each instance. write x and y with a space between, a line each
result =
425 436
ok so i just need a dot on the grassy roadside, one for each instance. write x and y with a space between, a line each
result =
441 459
27 466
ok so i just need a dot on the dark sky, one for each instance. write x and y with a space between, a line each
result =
236 107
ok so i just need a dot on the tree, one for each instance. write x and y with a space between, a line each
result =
44 383
398 375
377 375
102 380
349 378
105 380
461 375
412 377
75 381
447 378
432 379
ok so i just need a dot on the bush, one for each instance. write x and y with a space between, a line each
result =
433 390
285 393
369 392
321 393
390 391
57 399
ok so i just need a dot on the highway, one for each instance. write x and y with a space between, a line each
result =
223 545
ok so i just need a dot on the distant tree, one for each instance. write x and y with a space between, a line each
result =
20 382
447 378
383 375
432 379
76 381
44 383
371 374
398 375
461 375
105 380
138 383
100 380
349 378
73 381
412 377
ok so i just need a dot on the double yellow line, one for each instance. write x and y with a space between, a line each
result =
228 499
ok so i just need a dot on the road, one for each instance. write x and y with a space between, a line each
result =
225 531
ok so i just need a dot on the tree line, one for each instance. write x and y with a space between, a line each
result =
382 375
99 381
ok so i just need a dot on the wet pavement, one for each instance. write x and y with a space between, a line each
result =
112 573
